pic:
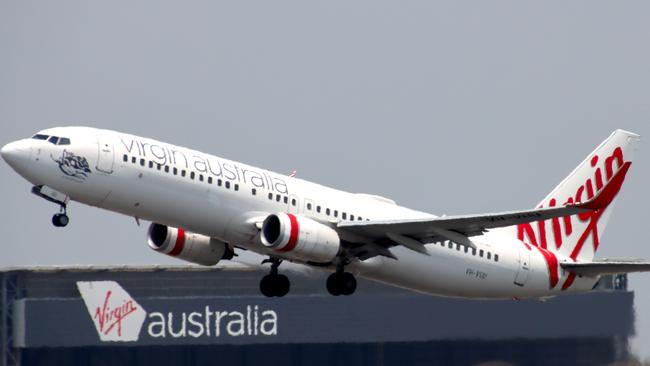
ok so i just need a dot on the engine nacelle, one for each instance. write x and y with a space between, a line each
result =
195 248
300 237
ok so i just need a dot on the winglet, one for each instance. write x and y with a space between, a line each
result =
607 195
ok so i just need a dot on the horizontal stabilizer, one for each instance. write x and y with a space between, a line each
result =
607 267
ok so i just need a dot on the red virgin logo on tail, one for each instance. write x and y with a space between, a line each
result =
592 187
116 315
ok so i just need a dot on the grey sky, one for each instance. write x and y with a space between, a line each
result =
449 107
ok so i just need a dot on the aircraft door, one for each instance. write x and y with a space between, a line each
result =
524 268
106 157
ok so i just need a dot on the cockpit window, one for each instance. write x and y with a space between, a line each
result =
55 140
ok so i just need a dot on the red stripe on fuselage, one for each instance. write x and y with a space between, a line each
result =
180 243
293 234
551 262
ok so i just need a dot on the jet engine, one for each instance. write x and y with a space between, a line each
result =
191 247
300 237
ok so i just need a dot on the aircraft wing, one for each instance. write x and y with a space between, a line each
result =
414 233
606 267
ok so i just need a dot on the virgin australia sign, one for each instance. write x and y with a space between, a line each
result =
116 315
119 318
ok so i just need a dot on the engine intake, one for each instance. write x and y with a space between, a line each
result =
191 247
300 237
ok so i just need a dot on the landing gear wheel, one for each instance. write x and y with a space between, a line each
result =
348 283
275 285
60 220
341 283
333 284
282 285
266 286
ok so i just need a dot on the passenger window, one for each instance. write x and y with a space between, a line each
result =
200 177
458 247
351 217
219 181
183 173
125 158
64 141
192 175
53 139
159 166
228 184
360 218
327 212
133 160
309 206
293 201
344 216
336 213
496 257
278 198
40 137
450 245
209 180
286 199
254 191
270 196
166 168
150 164
318 209
236 187
480 253
466 249
473 251
142 161
175 171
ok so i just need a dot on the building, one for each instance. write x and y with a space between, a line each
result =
197 315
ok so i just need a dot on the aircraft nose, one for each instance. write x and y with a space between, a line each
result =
16 153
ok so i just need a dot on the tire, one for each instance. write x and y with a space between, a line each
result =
282 285
334 284
63 220
348 283
60 220
267 286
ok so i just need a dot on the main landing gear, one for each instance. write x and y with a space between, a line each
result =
274 284
341 282
278 285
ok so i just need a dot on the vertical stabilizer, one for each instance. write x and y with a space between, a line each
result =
578 237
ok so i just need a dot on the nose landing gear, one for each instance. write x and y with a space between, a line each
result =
274 284
61 219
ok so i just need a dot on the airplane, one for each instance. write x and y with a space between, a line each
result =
204 208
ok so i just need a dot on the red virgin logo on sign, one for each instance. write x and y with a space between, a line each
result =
116 315
110 318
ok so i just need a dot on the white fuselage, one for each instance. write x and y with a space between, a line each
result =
219 198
